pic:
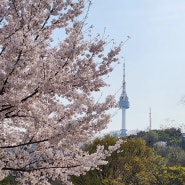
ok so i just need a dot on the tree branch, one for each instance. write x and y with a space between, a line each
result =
13 2
41 168
46 20
2 50
6 108
23 144
3 88
31 95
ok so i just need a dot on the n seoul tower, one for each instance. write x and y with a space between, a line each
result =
123 104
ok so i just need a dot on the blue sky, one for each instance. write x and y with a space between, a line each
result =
154 57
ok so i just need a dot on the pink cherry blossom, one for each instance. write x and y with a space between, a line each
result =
47 110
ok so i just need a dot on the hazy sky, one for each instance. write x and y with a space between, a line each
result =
154 57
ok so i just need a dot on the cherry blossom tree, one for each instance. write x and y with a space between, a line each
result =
47 109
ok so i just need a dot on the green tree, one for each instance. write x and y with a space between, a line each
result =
175 156
176 175
150 137
133 164
173 137
10 180
168 143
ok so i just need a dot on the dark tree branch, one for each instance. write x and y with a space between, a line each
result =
6 108
30 142
45 22
23 144
1 19
7 115
37 169
31 95
3 88
13 2
4 47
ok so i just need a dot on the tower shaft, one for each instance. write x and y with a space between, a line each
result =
123 119
123 130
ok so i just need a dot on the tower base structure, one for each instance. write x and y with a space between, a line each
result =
123 132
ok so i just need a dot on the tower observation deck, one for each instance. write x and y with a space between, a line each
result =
123 104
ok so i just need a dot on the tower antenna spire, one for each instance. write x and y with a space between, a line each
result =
123 104
150 119
124 82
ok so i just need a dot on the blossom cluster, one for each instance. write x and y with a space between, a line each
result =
47 110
